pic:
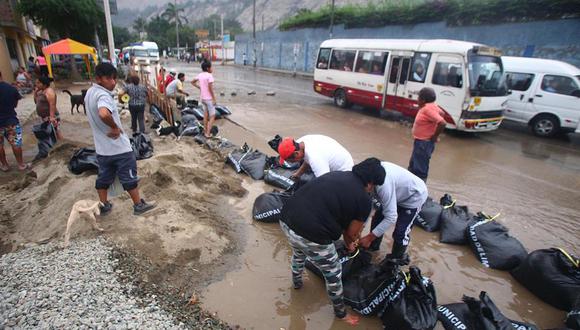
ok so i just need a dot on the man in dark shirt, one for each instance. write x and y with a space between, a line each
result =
334 204
10 126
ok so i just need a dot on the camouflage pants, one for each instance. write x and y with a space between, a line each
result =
322 256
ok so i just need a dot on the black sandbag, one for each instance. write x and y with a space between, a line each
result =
374 287
46 136
279 177
429 217
416 308
551 274
222 110
190 126
192 103
573 317
84 159
458 317
268 206
493 246
275 142
235 156
454 222
253 164
142 146
351 262
156 115
195 111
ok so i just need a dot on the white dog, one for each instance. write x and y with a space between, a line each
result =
84 206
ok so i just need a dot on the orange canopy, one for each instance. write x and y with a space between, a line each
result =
69 47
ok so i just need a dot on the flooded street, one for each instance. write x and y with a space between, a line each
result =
534 183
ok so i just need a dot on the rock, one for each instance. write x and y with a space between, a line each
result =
271 93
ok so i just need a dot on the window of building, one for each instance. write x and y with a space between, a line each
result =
323 57
519 81
419 67
342 60
559 85
11 48
448 74
371 62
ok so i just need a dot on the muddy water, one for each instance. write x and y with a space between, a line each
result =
533 183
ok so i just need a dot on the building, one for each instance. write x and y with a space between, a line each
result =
19 39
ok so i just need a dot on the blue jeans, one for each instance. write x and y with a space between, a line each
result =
419 163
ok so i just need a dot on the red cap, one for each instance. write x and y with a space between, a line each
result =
286 148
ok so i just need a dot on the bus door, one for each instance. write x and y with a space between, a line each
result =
448 84
396 81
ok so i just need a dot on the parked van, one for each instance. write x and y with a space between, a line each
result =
545 94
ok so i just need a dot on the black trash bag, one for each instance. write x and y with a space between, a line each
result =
454 222
493 246
374 287
351 262
275 142
222 110
156 116
192 103
279 177
84 159
195 111
251 162
458 316
573 317
46 136
416 308
551 274
268 206
304 179
142 146
430 216
190 126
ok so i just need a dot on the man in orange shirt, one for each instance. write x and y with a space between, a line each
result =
161 80
429 123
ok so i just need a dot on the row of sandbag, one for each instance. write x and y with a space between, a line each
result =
408 300
551 274
189 125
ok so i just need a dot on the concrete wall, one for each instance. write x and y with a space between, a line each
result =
558 40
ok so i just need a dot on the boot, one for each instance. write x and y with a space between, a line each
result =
399 253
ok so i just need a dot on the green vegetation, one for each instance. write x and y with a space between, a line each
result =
454 12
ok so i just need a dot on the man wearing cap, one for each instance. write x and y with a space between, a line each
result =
320 153
331 205
401 195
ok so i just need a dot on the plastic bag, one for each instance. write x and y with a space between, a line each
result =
454 222
251 162
351 262
279 177
493 246
430 216
156 116
142 146
84 159
46 136
268 206
573 317
551 274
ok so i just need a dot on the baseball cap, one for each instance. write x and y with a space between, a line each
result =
286 148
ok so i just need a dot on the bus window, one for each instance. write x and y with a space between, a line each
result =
342 60
519 81
371 62
404 71
394 70
323 56
420 66
448 74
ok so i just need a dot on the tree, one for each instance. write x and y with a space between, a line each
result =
123 36
174 13
65 18
139 24
160 30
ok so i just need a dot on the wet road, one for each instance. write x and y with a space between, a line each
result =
534 183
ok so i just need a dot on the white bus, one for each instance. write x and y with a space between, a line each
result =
389 73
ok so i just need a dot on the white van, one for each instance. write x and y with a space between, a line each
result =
545 94
140 55
153 50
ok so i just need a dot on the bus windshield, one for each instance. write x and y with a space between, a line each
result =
486 76
153 53
141 53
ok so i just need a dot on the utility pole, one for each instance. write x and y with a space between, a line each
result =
111 43
254 32
331 19
262 22
223 42
176 26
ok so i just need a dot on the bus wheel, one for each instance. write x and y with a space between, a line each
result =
545 125
340 99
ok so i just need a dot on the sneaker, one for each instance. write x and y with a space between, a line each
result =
142 207
105 208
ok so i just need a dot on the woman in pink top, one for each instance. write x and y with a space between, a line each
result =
41 62
204 81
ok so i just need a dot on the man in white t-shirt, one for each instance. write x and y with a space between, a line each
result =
175 89
320 153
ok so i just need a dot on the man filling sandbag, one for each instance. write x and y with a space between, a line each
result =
319 153
335 204
492 244
551 274
351 262
401 195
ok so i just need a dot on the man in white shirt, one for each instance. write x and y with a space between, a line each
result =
320 153
175 89
402 195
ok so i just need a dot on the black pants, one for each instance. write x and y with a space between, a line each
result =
420 158
137 115
405 220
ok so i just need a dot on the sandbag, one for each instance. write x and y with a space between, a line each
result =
190 126
454 222
573 317
429 217
551 274
416 308
493 246
251 162
222 110
196 111
477 314
156 116
374 287
46 136
84 159
279 177
275 142
268 206
142 146
351 262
